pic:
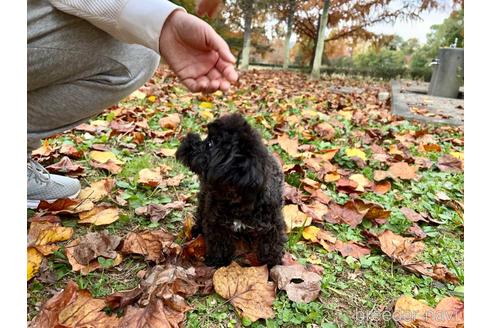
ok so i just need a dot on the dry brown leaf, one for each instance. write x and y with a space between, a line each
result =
248 289
301 285
70 151
412 313
170 121
449 163
172 182
294 218
403 171
195 249
402 249
73 308
110 166
361 180
95 244
150 177
150 244
97 190
167 152
45 150
325 131
92 266
65 166
347 213
331 243
158 212
382 187
288 144
100 215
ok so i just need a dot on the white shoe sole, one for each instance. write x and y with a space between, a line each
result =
33 203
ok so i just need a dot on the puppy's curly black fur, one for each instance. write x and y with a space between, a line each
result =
240 191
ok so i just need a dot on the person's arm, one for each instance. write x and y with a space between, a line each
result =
130 21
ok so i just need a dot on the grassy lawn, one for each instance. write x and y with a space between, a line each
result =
279 103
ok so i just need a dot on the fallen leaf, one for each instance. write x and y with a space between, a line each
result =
206 105
65 166
74 308
410 313
206 115
247 289
325 131
103 157
34 259
403 171
195 249
97 190
66 206
170 121
92 266
449 163
150 244
167 152
95 244
45 150
458 155
412 215
100 215
172 182
158 212
302 286
294 218
288 144
121 300
402 249
346 213
355 152
361 181
44 233
331 243
110 166
150 177
382 187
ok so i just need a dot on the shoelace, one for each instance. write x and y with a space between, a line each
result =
37 172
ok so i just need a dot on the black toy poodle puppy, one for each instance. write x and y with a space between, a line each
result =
240 194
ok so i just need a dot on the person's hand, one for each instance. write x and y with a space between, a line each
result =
208 7
200 58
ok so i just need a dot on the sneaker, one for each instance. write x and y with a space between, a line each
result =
41 185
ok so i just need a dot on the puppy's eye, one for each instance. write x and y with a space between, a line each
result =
210 143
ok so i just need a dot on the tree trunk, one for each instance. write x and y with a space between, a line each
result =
290 21
318 55
311 61
248 19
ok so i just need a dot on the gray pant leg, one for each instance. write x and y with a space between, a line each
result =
75 71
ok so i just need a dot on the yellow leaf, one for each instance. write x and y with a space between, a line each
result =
355 152
457 155
206 115
347 114
361 180
152 98
99 216
206 105
104 156
310 233
294 218
43 233
34 259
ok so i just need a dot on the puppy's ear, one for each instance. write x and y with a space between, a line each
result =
190 153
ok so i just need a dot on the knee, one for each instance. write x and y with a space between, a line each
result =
141 65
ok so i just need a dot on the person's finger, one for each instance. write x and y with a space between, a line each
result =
190 84
228 71
218 44
203 83
214 74
213 86
224 85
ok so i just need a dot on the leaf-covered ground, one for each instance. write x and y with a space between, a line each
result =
374 204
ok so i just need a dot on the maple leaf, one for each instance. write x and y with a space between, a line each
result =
248 289
289 145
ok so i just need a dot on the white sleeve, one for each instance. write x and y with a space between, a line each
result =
130 21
